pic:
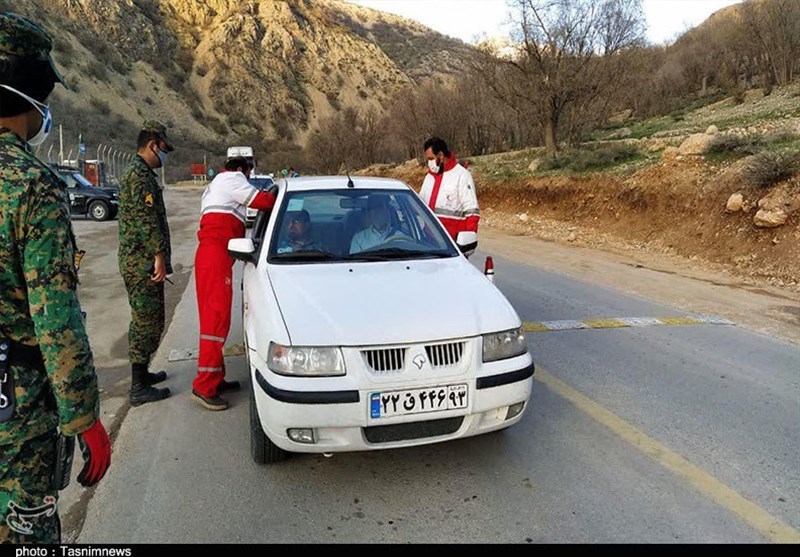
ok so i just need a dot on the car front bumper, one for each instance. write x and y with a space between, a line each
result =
341 421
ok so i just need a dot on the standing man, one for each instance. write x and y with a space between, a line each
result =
144 258
223 211
448 189
48 386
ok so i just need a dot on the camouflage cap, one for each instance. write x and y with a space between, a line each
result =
155 126
23 39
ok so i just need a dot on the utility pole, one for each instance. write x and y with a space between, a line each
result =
61 144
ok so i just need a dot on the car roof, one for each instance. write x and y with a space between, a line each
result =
64 168
307 183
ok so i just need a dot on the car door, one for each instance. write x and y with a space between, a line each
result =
77 198
81 198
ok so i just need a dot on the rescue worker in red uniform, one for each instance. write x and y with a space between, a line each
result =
223 211
449 190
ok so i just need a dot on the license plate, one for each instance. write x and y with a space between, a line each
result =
417 401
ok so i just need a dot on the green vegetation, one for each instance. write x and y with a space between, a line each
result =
591 160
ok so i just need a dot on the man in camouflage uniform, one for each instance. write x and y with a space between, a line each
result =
47 375
144 257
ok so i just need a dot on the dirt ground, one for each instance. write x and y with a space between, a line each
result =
673 211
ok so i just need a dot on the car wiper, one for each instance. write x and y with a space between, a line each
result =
310 255
388 254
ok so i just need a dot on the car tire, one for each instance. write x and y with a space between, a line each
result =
262 449
99 211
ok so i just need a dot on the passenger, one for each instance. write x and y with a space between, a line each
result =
298 234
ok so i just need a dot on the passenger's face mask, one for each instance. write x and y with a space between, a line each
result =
47 118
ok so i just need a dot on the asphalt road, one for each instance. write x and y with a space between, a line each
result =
656 434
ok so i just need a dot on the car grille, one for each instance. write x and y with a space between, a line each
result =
445 355
386 360
416 430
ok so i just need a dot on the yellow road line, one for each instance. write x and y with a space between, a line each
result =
768 525
677 321
605 324
620 322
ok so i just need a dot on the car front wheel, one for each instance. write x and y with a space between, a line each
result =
262 449
99 210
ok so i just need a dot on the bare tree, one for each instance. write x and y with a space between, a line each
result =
352 137
775 24
567 51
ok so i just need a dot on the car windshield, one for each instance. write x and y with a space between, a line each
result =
262 184
356 225
74 179
83 181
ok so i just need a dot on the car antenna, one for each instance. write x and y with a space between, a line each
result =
350 183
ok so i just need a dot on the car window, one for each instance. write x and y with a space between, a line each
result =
361 225
262 184
69 180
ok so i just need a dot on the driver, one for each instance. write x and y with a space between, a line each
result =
380 230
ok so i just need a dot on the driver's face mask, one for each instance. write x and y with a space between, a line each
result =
47 118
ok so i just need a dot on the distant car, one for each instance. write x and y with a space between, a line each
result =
356 347
86 199
263 183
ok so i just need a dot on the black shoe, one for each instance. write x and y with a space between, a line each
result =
213 403
228 386
142 394
153 378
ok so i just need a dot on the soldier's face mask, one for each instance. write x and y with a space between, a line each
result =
47 117
162 155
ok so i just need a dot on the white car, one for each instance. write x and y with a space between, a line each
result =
364 334
262 182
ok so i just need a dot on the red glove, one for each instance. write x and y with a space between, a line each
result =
96 450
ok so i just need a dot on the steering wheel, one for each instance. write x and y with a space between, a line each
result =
400 238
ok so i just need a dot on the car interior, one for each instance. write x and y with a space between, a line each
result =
333 232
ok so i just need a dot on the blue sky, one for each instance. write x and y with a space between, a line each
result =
468 19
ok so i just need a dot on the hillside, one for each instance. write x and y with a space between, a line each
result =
701 189
225 71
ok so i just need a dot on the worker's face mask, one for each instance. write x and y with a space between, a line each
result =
47 118
433 165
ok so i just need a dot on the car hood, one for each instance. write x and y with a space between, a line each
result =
382 303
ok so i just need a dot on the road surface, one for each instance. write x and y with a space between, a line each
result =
644 434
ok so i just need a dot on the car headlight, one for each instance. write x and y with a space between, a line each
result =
309 361
504 345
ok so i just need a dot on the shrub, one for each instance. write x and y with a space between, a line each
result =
767 169
100 106
740 144
97 70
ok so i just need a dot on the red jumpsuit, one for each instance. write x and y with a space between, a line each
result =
222 218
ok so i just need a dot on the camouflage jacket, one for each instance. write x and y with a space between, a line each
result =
38 299
143 227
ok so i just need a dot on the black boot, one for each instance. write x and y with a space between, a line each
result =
153 378
228 386
141 391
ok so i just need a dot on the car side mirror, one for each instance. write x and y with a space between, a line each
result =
242 249
467 241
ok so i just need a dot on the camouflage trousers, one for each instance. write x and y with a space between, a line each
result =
147 318
28 500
